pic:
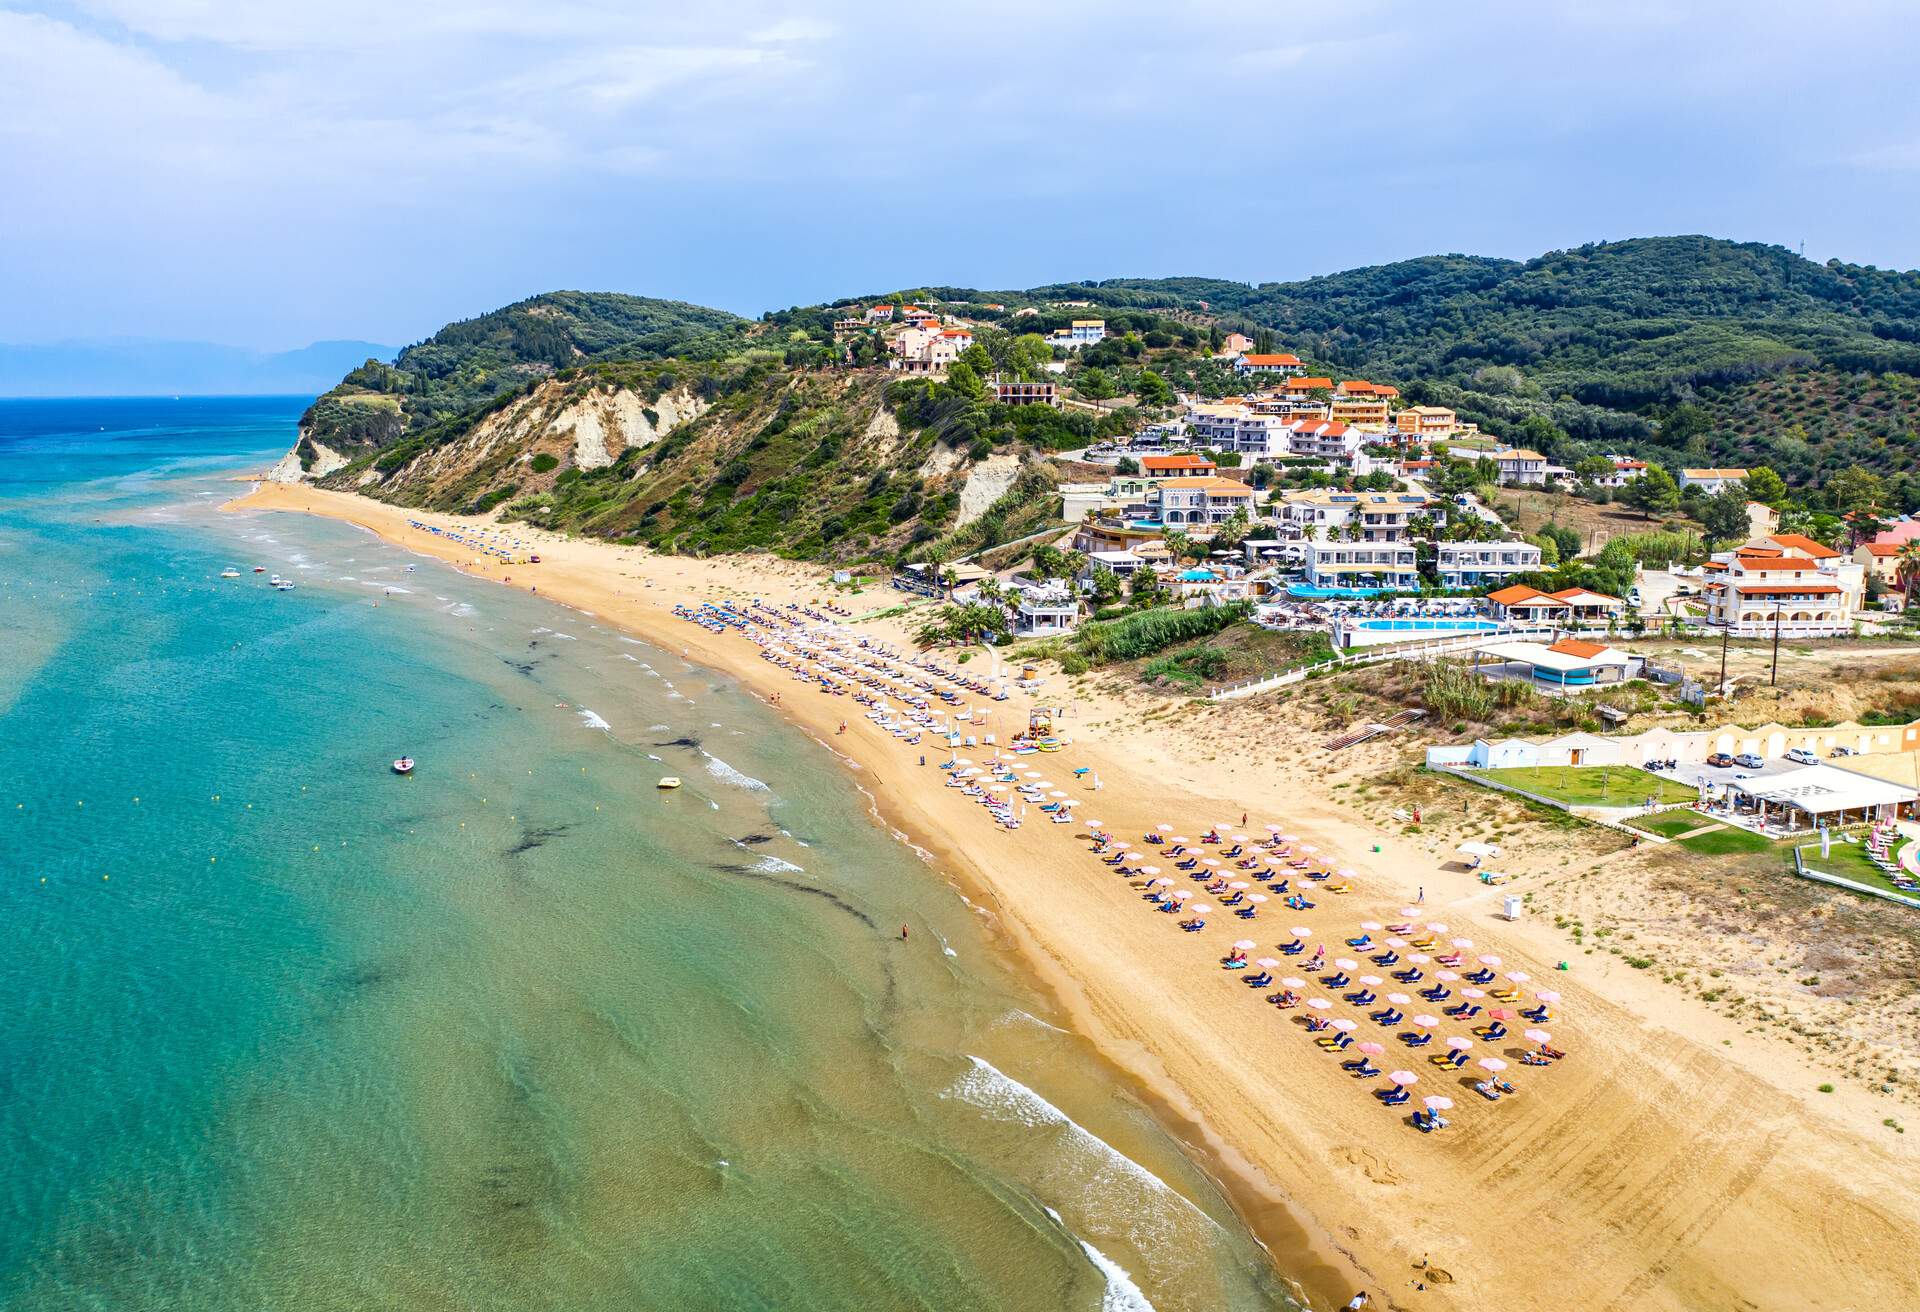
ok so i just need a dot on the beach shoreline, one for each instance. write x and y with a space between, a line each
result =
1342 1196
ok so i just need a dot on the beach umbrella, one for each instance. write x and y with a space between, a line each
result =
1271 828
1070 803
1032 774
1245 944
1491 1064
1518 976
1396 942
1181 894
1547 995
1425 1022
1371 981
1436 926
1472 993
1478 849
1300 931
1398 999
996 788
1489 961
1344 1025
1344 964
1308 847
1150 870
1274 860
1501 1013
1267 963
1120 844
1160 883
1239 883
1318 1004
1459 1044
1241 838
1056 793
1256 897
1094 824
1409 911
1209 861
1181 839
1369 925
1294 982
1403 1078
1447 975
1436 1103
1419 958
1346 874
1372 1049
1539 1036
1200 909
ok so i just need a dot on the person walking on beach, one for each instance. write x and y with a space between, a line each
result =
1423 894
903 933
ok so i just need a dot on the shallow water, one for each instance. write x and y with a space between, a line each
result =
286 1030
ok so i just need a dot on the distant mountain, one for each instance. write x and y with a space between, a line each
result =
143 367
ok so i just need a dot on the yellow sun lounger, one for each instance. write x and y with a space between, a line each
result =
1339 888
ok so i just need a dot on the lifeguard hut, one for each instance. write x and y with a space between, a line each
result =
1040 722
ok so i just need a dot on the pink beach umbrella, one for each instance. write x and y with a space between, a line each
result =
1402 1078
1239 884
1369 925
1201 909
1539 1036
1318 1004
1372 1049
1161 882
1344 964
1371 981
1462 943
1344 1025
1121 846
1245 944
1150 870
1409 911
1165 829
1419 958
1491 1064
1267 963
1256 897
1299 931
1398 999
1396 942
1459 1044
1436 1103
1181 894
1446 975
1437 926
1425 1022
1346 874
1241 838
1095 824
1518 976
1547 995
1489 960
1472 993
1293 982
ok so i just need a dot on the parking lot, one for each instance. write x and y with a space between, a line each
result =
1695 772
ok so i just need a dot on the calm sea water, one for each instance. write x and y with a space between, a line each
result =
285 1031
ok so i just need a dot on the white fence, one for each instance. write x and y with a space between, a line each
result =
1422 649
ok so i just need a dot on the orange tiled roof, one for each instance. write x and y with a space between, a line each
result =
1519 592
1805 545
1176 462
1782 589
1764 564
1271 361
1574 647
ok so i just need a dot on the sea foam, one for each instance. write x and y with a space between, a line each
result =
720 770
593 720
1121 1295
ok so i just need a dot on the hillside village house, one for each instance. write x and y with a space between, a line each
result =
1233 345
1426 423
925 351
1625 470
1712 481
1520 467
1357 401
1476 564
1204 502
1324 439
1176 466
1007 393
1846 572
1752 595
919 318
1324 513
1082 332
1880 560
1044 608
1282 364
879 313
1303 389
1390 565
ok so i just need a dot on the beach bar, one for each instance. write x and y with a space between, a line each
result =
1817 795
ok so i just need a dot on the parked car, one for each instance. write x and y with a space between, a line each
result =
1748 761
1841 751
1720 761
1801 756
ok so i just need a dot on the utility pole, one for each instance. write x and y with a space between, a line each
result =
1726 627
1774 679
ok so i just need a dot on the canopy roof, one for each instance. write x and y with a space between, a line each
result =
1822 789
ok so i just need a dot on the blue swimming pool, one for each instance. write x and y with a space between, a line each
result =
1306 592
1431 626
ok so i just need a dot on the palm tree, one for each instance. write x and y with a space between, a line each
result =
1907 569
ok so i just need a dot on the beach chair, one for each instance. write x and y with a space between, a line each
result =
1414 1039
1293 949
1493 1031
1531 1058
1340 888
1539 1015
1362 997
1365 940
1391 1016
1411 975
1486 1090
1387 958
1337 980
1392 1096
1464 1010
1335 1042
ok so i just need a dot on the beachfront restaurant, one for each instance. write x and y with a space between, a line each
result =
1815 796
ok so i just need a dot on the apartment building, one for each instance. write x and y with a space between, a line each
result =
1201 502
1324 514
1712 481
1360 565
1282 365
1426 423
1479 564
1754 595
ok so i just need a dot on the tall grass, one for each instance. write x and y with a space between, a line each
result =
1149 631
1452 691
1660 548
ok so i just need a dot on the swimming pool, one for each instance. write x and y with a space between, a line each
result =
1431 626
1306 592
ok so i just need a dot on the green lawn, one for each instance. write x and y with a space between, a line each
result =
1668 824
1849 861
1594 785
1727 840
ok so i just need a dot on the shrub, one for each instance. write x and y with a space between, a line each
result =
545 462
1149 631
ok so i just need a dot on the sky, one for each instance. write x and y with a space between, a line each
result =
266 173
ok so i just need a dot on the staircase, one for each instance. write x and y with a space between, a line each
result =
1354 737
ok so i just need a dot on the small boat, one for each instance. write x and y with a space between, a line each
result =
403 766
259 569
669 781
229 573
282 585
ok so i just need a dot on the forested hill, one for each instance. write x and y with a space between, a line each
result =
1607 340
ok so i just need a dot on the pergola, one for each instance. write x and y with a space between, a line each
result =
1822 794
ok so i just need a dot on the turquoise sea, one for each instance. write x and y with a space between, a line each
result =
283 1030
